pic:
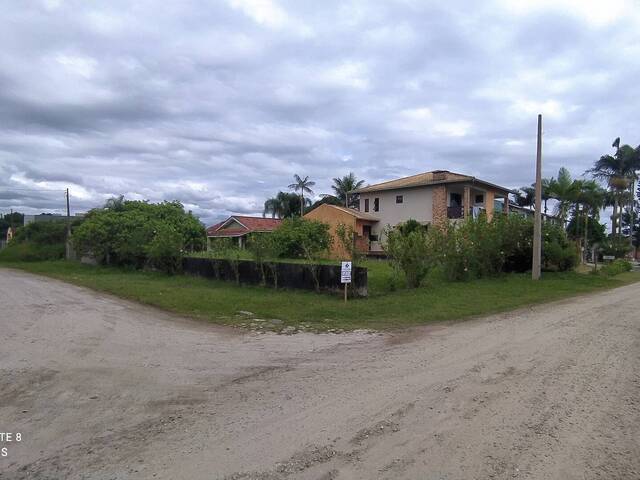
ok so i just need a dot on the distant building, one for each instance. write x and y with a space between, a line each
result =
239 227
11 232
44 217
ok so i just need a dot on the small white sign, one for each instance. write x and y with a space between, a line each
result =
608 257
345 272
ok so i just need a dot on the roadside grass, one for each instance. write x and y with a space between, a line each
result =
222 302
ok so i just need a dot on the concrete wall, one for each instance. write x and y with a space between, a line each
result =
287 275
417 205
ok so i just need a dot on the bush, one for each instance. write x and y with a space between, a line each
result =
616 245
558 252
133 233
299 237
165 250
409 250
31 252
616 267
37 241
478 248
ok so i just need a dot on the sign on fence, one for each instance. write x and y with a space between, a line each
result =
608 257
345 272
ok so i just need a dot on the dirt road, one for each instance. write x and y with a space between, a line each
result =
101 388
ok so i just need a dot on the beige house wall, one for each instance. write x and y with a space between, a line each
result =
417 205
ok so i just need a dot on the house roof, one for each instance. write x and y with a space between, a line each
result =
242 225
435 177
355 213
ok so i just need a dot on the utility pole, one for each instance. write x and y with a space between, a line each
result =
537 225
68 249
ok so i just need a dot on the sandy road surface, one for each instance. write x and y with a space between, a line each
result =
105 389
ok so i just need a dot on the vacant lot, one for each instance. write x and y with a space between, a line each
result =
222 302
101 388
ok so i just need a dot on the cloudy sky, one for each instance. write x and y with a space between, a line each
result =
219 103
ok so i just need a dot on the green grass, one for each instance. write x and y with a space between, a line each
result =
221 302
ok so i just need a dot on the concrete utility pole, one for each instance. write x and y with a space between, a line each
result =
537 225
68 246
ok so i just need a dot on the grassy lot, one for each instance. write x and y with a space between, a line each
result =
221 302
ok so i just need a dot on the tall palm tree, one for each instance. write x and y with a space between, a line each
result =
619 171
342 187
589 199
302 185
562 189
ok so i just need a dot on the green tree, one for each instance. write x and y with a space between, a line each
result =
589 200
283 205
619 172
132 234
342 186
563 189
302 185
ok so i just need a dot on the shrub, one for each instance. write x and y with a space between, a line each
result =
616 245
616 267
165 250
304 238
478 248
133 233
37 241
31 252
409 252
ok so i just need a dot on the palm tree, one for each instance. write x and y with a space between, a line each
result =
342 187
302 185
619 171
562 189
283 205
589 199
526 197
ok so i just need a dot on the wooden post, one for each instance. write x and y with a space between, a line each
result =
345 292
537 225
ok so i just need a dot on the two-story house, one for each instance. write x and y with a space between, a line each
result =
430 198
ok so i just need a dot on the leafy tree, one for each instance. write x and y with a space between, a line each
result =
265 250
302 185
299 237
325 200
139 233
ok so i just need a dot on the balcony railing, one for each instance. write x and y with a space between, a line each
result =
455 212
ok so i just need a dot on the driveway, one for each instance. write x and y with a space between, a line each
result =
102 388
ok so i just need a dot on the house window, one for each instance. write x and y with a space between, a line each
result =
376 204
366 204
399 199
480 198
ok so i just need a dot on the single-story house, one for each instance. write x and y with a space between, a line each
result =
238 227
430 198
333 215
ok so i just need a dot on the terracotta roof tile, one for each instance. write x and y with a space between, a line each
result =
422 179
247 225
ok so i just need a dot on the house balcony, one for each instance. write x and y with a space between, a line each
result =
455 212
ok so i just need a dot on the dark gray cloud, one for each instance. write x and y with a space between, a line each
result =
218 104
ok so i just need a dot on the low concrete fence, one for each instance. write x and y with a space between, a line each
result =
286 275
